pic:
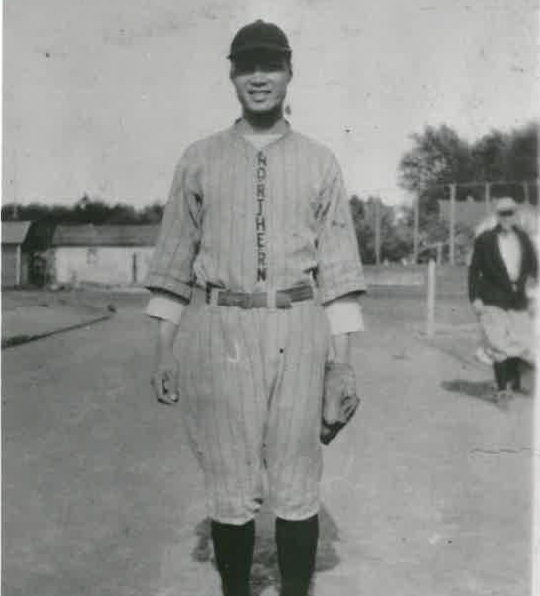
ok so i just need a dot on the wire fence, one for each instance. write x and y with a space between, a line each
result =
445 231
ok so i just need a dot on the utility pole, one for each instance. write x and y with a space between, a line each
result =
416 229
452 223
377 231
526 197
487 197
430 302
15 190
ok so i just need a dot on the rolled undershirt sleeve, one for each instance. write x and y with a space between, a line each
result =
344 315
161 306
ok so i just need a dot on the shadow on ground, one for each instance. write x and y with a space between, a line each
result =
482 390
265 571
479 389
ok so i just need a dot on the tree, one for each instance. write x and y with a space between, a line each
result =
395 237
364 231
438 157
84 211
152 214
95 211
489 156
435 230
513 155
522 160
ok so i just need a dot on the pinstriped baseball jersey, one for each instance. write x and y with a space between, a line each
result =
251 380
249 220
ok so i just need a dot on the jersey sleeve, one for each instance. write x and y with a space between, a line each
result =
339 269
171 266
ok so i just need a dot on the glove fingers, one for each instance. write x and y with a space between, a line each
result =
350 405
168 383
339 402
164 383
329 432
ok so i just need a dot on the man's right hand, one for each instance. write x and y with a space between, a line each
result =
165 375
164 382
478 306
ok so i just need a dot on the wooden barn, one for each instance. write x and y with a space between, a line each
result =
108 254
15 256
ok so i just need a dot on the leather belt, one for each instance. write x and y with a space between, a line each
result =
276 299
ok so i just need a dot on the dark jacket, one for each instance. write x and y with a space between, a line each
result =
488 278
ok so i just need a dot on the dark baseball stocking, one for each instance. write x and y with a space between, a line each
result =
296 549
233 549
514 374
501 374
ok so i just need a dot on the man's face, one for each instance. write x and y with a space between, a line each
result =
261 80
507 218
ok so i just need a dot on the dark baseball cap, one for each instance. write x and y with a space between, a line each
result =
259 36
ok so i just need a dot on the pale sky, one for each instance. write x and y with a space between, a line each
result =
102 96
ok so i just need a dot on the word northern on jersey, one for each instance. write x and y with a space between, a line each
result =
260 221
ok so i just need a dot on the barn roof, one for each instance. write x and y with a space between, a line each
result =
106 235
15 232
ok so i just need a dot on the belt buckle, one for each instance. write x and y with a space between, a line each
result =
283 300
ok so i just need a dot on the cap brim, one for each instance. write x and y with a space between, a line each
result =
262 47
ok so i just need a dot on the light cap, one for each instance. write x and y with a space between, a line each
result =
505 204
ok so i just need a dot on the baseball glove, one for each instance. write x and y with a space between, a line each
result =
339 399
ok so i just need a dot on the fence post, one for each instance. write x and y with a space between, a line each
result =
452 223
377 231
439 253
18 264
430 310
487 197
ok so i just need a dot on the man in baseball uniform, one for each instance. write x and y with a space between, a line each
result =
503 263
255 281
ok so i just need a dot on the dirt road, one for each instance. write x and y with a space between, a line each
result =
427 494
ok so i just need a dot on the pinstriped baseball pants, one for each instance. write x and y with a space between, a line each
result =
251 385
